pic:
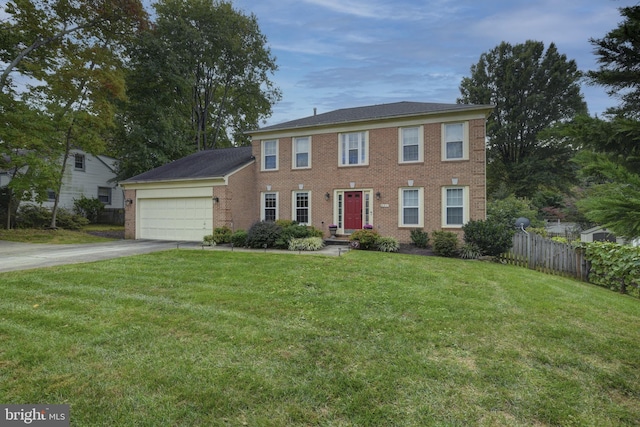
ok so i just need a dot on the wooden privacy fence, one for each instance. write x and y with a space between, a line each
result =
537 253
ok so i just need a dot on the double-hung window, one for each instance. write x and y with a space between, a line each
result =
411 144
354 149
411 207
302 152
455 145
104 195
269 206
455 206
270 155
78 162
301 212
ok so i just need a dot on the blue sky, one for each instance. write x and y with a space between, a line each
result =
345 53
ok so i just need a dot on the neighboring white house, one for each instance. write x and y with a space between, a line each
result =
89 175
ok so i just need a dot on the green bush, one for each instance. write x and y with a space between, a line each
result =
366 238
70 221
445 243
263 235
420 238
306 244
239 238
222 235
387 244
209 240
293 230
489 237
470 251
33 216
89 208
614 266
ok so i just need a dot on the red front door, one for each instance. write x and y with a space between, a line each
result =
352 210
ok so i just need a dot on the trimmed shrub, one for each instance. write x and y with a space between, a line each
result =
239 238
366 238
209 240
306 244
70 221
293 230
263 234
33 216
489 237
222 235
445 243
387 244
89 208
420 238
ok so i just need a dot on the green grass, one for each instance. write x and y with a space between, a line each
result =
209 338
58 236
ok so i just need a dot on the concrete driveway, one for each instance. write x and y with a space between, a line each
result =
23 256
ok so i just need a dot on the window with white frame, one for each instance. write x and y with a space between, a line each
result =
270 155
78 163
455 145
354 149
455 206
104 195
411 144
411 207
269 207
301 203
302 152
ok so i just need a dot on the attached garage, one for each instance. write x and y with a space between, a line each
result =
176 218
186 199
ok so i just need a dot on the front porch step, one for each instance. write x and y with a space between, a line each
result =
338 240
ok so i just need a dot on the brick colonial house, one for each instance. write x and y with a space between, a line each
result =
396 167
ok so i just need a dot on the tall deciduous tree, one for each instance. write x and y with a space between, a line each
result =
206 71
531 89
69 56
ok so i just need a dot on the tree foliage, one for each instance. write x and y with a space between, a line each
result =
198 80
531 89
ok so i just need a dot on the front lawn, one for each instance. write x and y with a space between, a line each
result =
210 338
90 234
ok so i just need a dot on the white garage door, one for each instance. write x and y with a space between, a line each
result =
175 219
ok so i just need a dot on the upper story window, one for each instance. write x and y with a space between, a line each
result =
270 155
302 152
411 147
354 149
455 141
79 162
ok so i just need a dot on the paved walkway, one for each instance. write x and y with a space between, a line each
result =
22 256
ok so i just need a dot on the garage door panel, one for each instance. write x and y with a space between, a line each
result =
176 218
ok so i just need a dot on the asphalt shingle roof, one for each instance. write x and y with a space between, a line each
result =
203 164
371 112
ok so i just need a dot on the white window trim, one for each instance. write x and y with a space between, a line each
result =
346 157
84 162
465 141
263 204
420 145
294 206
294 157
263 155
465 205
420 223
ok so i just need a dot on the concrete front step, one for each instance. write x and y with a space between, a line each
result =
338 240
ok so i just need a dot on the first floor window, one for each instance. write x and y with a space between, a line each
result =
51 195
301 214
454 206
270 207
104 195
411 207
